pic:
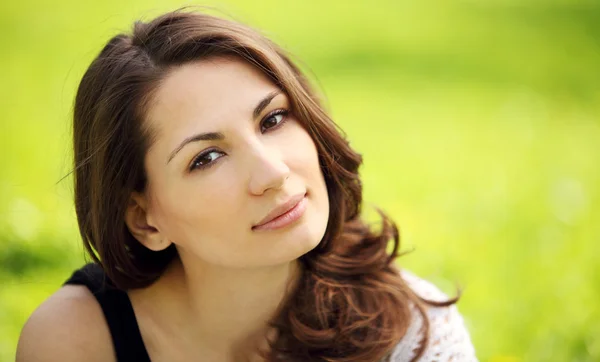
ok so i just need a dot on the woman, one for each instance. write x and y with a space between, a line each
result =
221 206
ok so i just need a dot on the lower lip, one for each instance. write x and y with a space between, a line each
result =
286 219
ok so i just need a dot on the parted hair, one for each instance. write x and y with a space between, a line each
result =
351 303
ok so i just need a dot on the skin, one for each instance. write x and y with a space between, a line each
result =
227 268
214 301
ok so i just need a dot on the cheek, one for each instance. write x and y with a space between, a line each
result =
196 209
300 148
305 162
307 159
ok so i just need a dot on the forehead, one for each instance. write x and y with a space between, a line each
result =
200 96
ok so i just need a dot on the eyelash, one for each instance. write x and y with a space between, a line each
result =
281 111
277 112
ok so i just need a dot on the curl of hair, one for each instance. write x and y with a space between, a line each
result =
351 303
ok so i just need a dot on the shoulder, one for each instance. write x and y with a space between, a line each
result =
422 287
448 338
68 326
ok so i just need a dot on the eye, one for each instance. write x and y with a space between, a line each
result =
206 159
274 120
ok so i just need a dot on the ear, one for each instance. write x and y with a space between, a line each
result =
140 224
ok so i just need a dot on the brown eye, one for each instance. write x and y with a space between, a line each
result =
205 159
274 120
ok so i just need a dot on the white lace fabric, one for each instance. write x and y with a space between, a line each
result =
449 339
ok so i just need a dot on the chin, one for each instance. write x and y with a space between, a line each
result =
310 238
294 245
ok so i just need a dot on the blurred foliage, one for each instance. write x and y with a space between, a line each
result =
478 121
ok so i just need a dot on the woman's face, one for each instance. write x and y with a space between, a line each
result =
227 153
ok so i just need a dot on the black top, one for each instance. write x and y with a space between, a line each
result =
117 309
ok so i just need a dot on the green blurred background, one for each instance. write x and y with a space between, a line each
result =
478 121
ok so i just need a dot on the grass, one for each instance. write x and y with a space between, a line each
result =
478 123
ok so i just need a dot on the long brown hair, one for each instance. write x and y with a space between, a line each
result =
351 303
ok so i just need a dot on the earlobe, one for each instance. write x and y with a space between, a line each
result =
139 225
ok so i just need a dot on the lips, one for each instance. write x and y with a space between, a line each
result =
281 209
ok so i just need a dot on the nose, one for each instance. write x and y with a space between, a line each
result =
268 170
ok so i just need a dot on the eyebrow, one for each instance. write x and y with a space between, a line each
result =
218 136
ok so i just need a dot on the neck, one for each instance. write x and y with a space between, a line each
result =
228 309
